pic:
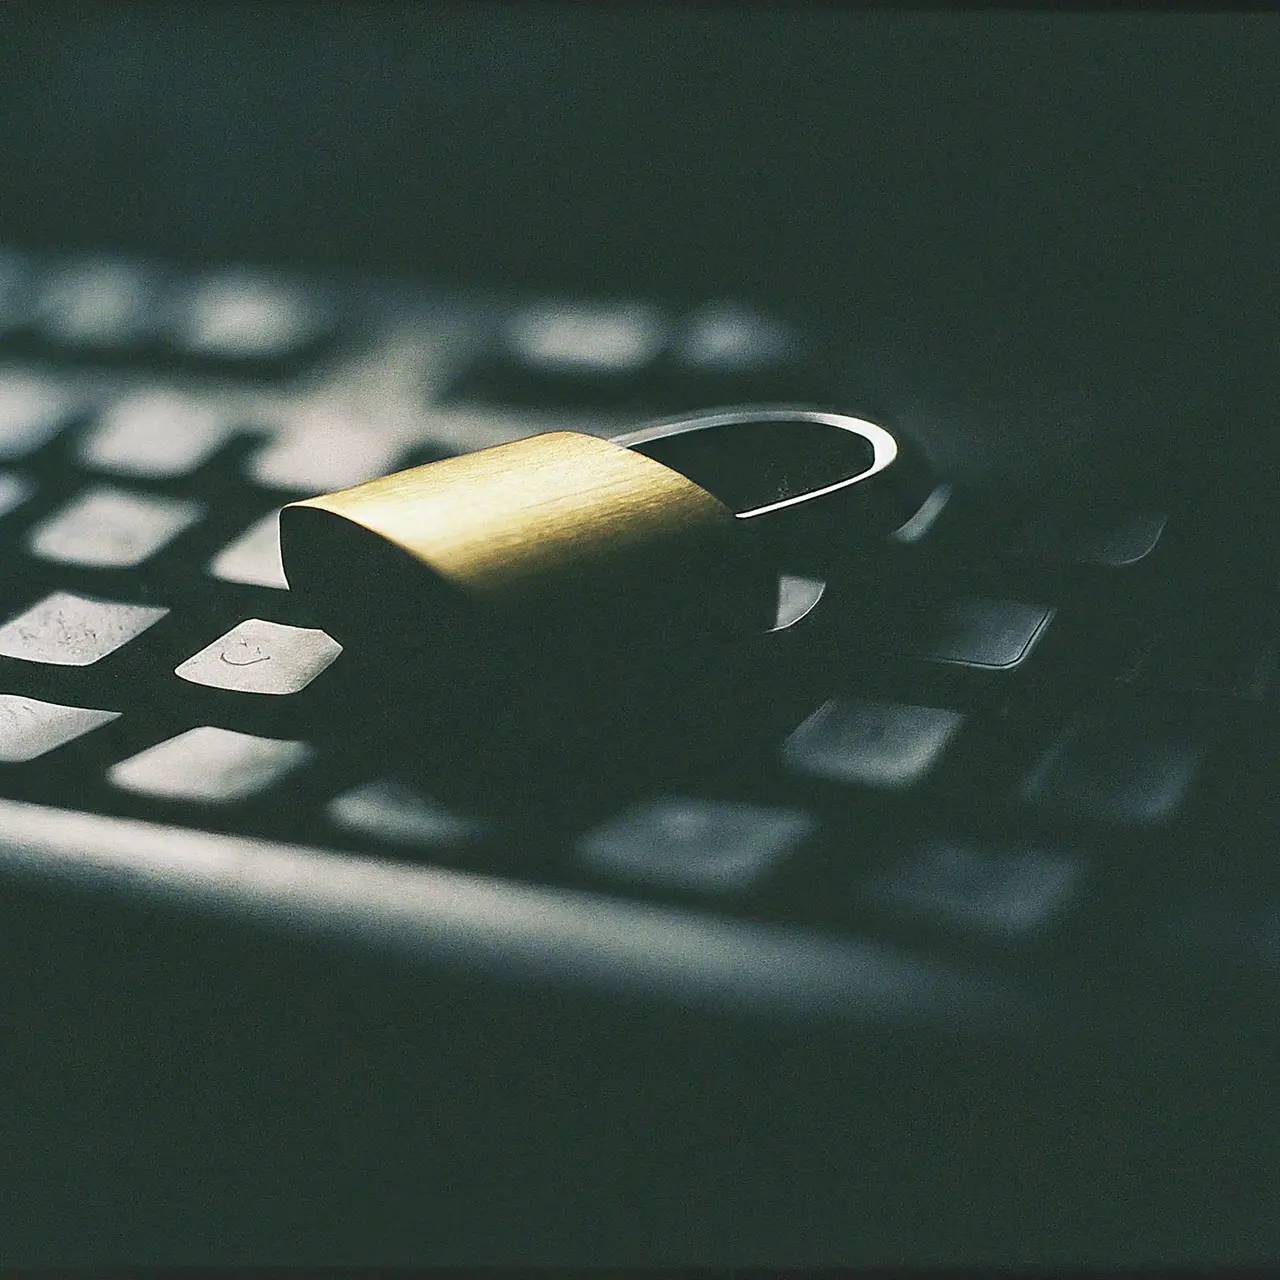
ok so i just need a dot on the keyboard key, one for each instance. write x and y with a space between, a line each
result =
322 450
98 304
972 885
729 338
74 631
254 557
262 657
207 764
30 728
156 434
695 844
246 316
590 340
924 519
32 410
106 528
972 632
1116 767
796 597
874 744
394 812
1107 538
14 490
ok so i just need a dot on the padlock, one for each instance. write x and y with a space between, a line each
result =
563 545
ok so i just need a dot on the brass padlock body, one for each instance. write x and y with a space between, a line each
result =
557 545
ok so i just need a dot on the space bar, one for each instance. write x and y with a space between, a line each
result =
514 931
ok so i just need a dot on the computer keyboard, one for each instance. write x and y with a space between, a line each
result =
972 786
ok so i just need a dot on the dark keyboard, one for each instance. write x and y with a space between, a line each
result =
983 785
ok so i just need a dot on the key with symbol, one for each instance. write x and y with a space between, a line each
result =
262 657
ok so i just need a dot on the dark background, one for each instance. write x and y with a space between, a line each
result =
1085 200
1043 215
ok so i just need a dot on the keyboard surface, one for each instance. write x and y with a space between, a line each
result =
998 784
939 770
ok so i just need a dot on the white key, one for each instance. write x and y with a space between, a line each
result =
157 434
29 727
695 844
253 557
245 316
107 528
392 811
973 631
876 744
322 450
1117 767
731 338
14 489
995 891
262 657
75 631
213 765
796 598
586 339
32 410
98 303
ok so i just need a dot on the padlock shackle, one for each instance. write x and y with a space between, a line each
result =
779 482
884 446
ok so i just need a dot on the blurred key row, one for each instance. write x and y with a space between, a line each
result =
670 842
117 305
255 656
630 355
107 527
1109 764
162 434
549 354
153 432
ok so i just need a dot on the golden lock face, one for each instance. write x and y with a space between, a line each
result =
561 539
